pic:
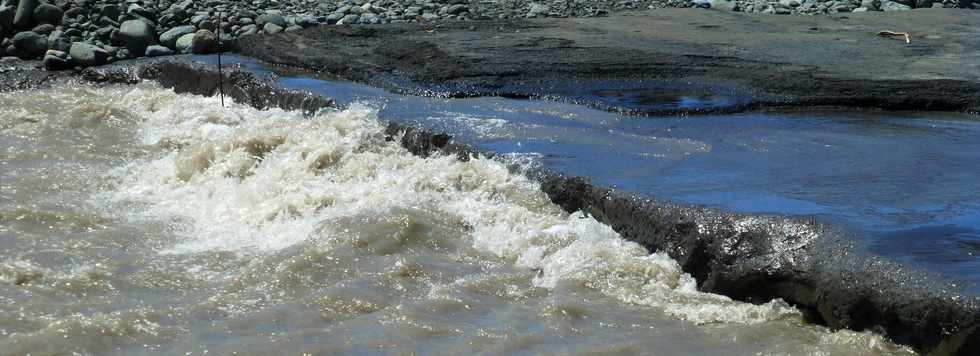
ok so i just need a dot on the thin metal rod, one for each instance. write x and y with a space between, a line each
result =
221 87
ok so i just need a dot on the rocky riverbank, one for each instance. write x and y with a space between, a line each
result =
67 33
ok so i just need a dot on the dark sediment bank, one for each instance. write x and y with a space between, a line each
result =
747 257
757 61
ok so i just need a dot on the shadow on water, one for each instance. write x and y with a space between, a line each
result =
907 183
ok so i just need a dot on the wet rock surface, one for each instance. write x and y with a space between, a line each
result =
769 61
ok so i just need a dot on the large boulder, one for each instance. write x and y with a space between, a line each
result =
47 13
204 42
23 18
169 38
30 45
87 55
136 35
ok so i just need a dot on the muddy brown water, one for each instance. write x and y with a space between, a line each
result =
134 220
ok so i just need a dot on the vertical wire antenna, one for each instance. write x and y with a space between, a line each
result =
221 87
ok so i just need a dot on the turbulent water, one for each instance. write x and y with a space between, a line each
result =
134 220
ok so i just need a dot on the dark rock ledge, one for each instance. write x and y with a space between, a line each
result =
760 62
747 257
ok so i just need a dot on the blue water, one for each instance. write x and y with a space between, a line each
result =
907 185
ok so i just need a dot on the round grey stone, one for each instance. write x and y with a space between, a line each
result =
110 11
87 55
276 19
887 5
54 62
271 28
30 45
137 35
306 21
158 50
871 5
349 19
204 42
169 38
47 13
43 29
183 43
57 40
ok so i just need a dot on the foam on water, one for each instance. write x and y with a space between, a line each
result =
255 181
273 215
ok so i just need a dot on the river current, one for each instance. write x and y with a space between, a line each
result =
134 220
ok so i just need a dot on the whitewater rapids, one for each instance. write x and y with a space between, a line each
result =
136 220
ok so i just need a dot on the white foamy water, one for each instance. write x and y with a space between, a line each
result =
240 230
